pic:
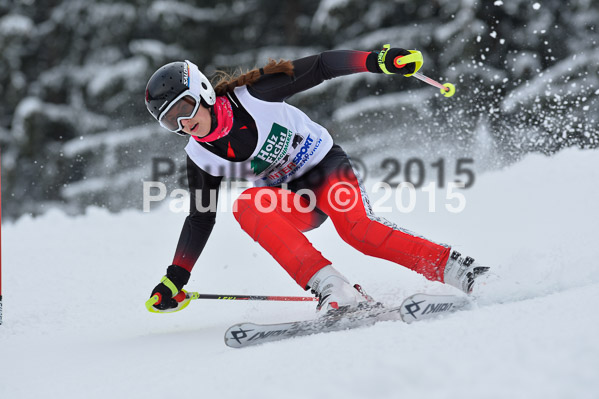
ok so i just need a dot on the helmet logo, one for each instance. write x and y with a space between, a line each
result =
186 75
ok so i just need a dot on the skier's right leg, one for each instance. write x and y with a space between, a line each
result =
276 219
270 216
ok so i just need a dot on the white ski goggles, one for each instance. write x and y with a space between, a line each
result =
183 107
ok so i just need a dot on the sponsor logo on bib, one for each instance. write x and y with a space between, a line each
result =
274 149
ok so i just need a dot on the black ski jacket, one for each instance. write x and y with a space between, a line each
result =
241 142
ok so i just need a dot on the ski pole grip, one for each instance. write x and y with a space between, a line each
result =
180 297
151 302
415 56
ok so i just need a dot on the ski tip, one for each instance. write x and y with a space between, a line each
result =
237 335
424 306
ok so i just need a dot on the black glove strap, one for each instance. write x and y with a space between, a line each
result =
178 275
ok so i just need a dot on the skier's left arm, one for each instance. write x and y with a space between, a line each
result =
312 70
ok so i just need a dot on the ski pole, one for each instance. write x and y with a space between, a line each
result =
185 297
447 89
415 56
197 295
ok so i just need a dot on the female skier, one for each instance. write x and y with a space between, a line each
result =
243 128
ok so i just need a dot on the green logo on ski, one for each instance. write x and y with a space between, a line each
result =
274 149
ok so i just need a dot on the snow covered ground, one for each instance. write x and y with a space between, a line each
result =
75 324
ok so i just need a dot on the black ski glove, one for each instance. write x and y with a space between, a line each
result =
170 285
390 61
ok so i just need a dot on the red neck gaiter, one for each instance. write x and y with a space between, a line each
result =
224 119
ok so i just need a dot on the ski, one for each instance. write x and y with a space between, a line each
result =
413 308
425 306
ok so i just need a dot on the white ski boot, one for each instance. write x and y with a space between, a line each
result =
334 291
461 272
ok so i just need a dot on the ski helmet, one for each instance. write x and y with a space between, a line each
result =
168 82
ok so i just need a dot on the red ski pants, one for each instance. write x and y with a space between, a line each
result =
276 218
